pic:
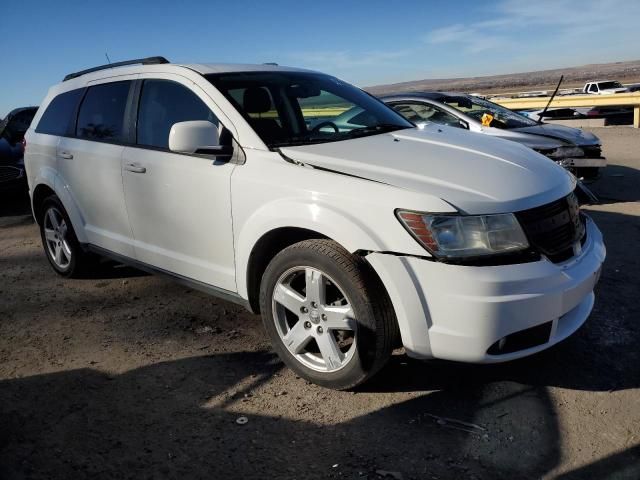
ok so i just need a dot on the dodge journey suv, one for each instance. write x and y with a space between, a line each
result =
350 239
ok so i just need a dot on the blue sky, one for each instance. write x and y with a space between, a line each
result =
366 43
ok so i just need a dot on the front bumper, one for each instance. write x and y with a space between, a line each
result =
582 162
460 312
12 179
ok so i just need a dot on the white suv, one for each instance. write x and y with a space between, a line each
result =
350 240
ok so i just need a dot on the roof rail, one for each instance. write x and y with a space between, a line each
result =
137 61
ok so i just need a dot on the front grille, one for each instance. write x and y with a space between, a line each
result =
592 151
9 173
553 229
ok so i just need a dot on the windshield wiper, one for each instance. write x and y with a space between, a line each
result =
295 142
373 129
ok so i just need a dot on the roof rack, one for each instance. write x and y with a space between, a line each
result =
137 61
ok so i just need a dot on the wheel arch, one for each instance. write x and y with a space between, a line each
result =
40 193
267 247
48 184
278 225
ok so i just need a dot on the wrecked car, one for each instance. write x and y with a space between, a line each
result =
574 149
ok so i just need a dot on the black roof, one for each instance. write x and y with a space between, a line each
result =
137 61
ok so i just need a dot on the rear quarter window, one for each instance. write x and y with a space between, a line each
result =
101 115
58 115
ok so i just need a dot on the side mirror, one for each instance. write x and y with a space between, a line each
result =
196 136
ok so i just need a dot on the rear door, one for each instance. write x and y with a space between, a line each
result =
90 164
179 205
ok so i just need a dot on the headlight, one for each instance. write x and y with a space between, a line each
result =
564 152
459 236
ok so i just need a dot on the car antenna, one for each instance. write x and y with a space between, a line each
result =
541 114
108 59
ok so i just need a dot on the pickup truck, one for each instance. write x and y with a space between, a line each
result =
604 87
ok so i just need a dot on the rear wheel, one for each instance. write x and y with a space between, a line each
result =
59 240
326 314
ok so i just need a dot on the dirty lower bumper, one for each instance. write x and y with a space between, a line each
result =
463 313
583 162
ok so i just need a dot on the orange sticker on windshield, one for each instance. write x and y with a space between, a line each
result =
487 118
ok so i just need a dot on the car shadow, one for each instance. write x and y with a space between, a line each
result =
178 418
617 184
15 209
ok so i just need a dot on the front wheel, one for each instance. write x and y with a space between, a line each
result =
327 314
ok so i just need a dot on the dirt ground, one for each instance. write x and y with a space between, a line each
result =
126 375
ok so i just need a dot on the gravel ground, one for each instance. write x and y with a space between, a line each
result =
126 375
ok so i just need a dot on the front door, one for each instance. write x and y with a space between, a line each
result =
179 205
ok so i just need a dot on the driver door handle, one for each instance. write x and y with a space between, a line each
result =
135 168
66 155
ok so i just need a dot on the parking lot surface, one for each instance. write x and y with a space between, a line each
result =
125 375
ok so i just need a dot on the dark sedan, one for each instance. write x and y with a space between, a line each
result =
12 130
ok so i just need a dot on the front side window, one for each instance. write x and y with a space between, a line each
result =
300 108
164 103
56 118
418 112
101 114
593 87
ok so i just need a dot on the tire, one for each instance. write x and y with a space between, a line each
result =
352 312
61 240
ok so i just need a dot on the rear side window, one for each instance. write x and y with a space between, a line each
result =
101 114
163 103
56 118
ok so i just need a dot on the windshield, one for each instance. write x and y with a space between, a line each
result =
498 116
300 108
606 85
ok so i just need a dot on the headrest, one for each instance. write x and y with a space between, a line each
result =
256 100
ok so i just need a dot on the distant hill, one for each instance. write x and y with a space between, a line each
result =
625 72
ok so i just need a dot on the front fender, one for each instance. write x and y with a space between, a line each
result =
322 218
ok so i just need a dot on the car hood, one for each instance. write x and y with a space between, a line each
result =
477 174
574 136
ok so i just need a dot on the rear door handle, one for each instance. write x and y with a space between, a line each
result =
135 168
66 155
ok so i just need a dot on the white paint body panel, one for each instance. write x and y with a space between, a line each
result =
457 313
201 220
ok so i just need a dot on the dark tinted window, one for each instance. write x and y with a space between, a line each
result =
163 103
101 114
56 118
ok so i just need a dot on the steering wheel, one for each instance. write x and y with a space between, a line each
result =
325 124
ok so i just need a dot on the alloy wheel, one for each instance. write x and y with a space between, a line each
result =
314 319
55 234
